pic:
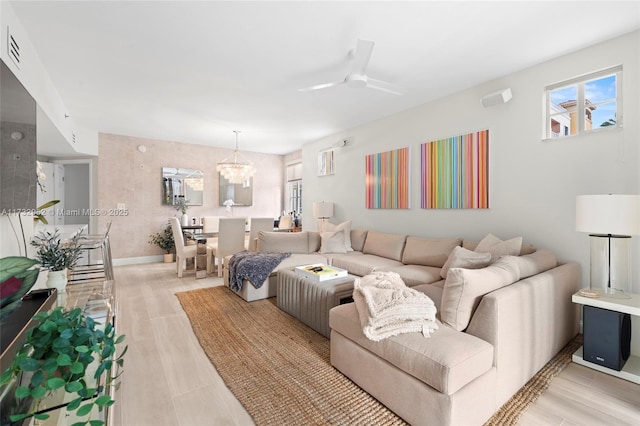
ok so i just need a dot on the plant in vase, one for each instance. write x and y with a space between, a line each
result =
165 241
56 256
55 357
181 205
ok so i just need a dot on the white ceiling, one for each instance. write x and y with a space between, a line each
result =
195 71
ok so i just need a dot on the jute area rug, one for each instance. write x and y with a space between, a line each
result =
279 368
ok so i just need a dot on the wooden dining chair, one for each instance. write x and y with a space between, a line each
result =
230 239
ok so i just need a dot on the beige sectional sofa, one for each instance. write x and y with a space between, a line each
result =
501 318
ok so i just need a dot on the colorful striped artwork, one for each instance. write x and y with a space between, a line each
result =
455 172
387 180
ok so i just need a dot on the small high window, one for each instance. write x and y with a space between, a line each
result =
584 104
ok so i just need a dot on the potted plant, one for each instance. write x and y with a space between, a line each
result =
165 241
56 256
55 357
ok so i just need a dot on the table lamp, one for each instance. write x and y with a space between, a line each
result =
322 211
610 220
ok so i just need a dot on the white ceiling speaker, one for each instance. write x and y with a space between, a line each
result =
358 77
501 96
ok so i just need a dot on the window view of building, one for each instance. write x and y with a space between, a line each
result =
583 104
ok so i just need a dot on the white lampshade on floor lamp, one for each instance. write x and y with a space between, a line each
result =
610 220
322 210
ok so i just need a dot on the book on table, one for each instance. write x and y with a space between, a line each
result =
320 272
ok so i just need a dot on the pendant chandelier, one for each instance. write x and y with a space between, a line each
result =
236 171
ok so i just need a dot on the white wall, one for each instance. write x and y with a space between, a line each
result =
532 182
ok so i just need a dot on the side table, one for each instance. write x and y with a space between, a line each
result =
631 369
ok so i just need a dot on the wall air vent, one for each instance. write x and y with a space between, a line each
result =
13 47
73 137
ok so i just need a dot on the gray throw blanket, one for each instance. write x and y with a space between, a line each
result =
254 266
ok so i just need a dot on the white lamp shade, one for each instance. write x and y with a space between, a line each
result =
322 209
614 214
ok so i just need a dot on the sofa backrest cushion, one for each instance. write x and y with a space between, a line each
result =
358 236
460 257
283 242
464 289
314 241
385 245
536 263
428 252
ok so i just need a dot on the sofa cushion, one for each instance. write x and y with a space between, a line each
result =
446 361
332 242
358 236
464 289
415 274
527 248
314 241
497 247
428 252
536 263
385 245
346 235
364 264
434 291
460 257
283 242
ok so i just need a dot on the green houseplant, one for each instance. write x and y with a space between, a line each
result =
55 255
165 241
55 357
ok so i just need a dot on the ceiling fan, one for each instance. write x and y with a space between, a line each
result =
358 76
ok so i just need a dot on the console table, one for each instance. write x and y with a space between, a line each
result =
631 369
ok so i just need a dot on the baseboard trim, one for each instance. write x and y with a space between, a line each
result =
138 260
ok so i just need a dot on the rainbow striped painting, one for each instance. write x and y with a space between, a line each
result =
455 172
387 179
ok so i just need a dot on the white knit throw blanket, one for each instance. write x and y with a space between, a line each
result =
387 307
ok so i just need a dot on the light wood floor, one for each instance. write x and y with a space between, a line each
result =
168 379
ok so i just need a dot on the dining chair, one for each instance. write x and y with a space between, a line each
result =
285 223
258 224
184 252
230 239
211 224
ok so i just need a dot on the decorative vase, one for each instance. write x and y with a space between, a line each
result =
168 258
185 219
57 280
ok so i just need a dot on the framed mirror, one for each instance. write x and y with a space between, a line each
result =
179 183
240 193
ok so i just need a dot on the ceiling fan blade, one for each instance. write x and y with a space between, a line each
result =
384 86
361 56
320 86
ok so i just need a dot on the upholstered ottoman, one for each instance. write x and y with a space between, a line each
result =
310 301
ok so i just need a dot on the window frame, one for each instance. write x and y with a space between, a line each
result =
579 83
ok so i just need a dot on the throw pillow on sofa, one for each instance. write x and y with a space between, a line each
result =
497 247
464 289
345 227
332 242
462 258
